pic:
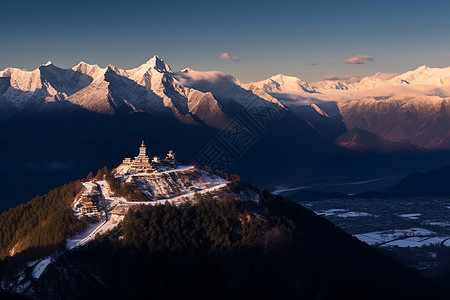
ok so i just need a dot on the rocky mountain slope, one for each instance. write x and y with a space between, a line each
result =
148 88
363 141
422 121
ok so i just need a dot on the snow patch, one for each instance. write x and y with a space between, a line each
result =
436 223
413 237
41 266
351 214
410 216
330 212
343 213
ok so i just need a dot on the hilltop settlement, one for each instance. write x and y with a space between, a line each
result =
139 181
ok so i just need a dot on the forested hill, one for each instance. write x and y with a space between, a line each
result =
228 247
40 226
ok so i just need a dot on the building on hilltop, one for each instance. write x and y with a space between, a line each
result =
142 163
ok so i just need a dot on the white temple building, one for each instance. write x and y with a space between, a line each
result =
142 164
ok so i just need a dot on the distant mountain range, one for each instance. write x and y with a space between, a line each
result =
56 124
412 107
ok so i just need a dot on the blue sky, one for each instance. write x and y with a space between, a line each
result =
269 37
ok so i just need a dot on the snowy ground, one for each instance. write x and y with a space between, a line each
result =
110 221
342 213
41 266
87 235
380 217
413 237
417 229
414 216
177 199
167 170
89 186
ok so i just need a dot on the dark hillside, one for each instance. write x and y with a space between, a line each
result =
230 249
431 183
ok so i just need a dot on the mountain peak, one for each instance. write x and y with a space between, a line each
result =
154 59
423 67
84 64
86 68
186 70
278 76
49 63
283 77
156 63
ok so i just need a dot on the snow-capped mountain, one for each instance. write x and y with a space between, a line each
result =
284 84
226 89
411 107
417 80
424 75
193 97
152 87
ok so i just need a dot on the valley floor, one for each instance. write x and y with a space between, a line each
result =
416 229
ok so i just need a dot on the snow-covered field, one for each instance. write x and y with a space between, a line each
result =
413 237
414 216
343 213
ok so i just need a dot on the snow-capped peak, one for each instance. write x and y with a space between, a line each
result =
84 64
426 76
156 63
186 70
47 64
284 84
423 67
88 69
155 66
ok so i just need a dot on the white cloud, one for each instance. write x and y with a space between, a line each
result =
228 56
192 77
358 59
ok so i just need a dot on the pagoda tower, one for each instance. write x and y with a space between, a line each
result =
141 162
